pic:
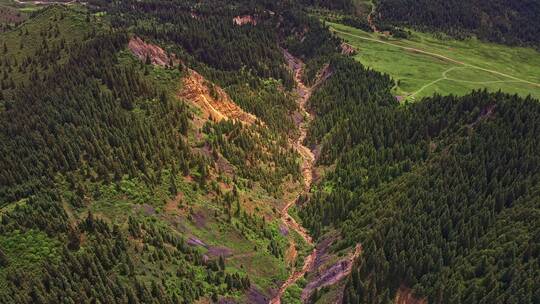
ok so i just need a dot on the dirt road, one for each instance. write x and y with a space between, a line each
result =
307 166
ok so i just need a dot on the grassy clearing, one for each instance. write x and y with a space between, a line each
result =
423 64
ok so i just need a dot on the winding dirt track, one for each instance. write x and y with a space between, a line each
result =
439 56
307 166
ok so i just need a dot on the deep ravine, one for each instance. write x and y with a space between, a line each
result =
307 167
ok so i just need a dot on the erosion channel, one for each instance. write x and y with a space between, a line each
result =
308 160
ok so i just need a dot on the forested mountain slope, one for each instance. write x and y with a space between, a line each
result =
504 21
151 150
442 194
116 188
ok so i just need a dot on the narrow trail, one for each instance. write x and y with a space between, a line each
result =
439 56
307 166
445 77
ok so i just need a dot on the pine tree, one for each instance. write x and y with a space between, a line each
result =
4 261
74 239
172 185
221 263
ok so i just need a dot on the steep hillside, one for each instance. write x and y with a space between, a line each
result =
442 194
116 169
32 49
218 151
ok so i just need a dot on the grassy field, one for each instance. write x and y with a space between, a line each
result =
422 64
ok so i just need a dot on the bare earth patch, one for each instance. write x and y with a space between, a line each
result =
255 296
219 251
291 254
245 19
172 206
199 219
146 209
156 54
193 241
406 296
212 100
347 49
283 230
332 274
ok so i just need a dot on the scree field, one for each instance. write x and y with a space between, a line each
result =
422 64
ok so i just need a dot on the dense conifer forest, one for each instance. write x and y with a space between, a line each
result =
82 121
503 21
116 188
442 194
508 22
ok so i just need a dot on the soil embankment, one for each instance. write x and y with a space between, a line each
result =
332 274
213 101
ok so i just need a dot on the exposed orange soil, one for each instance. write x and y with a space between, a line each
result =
370 20
308 160
291 254
216 105
405 296
245 19
144 50
347 49
172 206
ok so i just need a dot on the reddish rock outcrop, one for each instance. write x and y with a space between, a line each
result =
156 54
245 19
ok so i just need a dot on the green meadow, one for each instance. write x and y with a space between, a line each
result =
424 64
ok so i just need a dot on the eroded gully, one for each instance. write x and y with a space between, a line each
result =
308 160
